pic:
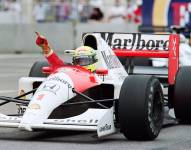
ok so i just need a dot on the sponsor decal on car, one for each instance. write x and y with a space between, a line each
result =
40 97
52 87
78 121
105 128
3 117
10 118
57 78
34 106
21 93
174 47
21 109
136 41
111 61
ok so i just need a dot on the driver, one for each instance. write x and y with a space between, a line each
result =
84 56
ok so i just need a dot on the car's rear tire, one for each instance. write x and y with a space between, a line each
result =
182 95
140 108
36 69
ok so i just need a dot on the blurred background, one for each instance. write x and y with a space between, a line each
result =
64 21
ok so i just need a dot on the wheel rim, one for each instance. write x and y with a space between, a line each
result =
155 109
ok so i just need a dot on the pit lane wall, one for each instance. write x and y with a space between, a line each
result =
21 37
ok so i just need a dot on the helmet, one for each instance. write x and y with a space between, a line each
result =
85 56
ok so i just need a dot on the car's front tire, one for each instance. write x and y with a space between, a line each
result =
36 69
140 108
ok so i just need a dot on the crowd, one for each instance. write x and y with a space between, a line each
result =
87 10
11 5
81 10
11 11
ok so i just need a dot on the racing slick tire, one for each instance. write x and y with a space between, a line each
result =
36 69
182 95
140 108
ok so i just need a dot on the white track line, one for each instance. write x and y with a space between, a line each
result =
8 56
10 75
7 91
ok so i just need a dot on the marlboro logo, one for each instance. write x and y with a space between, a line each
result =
136 41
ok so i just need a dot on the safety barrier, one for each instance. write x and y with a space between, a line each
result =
21 37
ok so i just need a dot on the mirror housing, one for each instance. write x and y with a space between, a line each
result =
102 72
47 70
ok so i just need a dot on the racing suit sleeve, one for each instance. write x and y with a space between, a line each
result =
54 60
50 55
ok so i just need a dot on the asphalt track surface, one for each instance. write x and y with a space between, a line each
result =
12 67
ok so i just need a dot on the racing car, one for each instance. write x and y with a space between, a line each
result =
111 99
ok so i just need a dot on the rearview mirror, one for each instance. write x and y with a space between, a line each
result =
102 72
47 70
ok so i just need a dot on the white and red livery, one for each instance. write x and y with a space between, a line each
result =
109 99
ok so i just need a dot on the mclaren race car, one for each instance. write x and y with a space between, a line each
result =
113 98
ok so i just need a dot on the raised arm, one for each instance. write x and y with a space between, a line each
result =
50 55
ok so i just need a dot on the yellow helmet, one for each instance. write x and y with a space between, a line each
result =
85 56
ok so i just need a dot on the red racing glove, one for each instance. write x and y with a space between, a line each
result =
42 42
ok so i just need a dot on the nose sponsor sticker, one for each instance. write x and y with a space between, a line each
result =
21 93
51 87
40 97
34 106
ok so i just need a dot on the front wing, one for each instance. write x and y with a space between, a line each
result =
98 120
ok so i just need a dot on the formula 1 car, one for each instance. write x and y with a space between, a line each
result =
113 98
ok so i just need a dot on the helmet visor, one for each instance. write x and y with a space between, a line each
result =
83 60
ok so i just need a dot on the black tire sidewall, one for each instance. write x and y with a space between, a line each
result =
135 115
153 124
36 69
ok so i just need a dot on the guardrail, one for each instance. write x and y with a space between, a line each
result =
21 37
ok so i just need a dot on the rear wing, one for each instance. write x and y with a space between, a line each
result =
146 45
